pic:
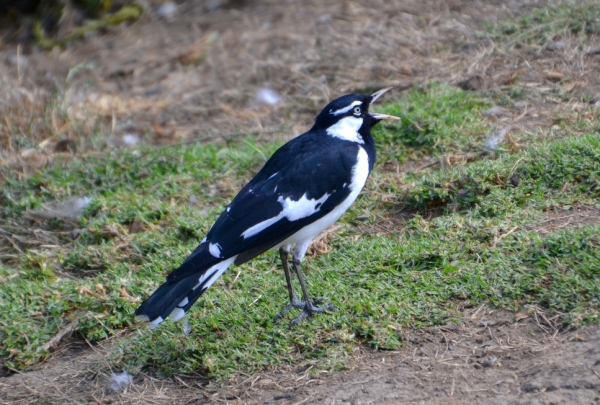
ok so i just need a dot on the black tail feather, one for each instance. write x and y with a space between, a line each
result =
174 298
167 297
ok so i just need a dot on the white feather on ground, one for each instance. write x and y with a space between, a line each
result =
70 208
120 381
495 138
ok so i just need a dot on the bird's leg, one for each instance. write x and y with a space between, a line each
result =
294 303
283 254
309 308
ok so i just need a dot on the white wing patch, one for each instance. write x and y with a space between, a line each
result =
176 314
292 210
253 230
345 109
302 238
295 210
212 274
155 322
214 249
347 129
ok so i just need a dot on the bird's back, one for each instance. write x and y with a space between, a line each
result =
308 168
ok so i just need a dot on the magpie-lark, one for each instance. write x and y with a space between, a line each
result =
303 188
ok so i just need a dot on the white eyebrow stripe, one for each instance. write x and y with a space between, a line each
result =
345 109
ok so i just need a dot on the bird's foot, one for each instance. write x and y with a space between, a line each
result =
295 303
307 310
310 309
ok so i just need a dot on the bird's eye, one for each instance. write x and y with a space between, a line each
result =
357 110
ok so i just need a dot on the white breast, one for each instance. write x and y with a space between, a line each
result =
360 173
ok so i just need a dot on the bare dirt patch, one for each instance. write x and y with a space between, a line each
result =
486 359
490 357
576 216
201 73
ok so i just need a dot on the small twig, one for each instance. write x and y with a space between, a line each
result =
445 160
504 236
254 302
60 335
304 400
236 277
550 324
539 324
383 228
558 218
425 166
478 310
6 236
14 370
9 277
182 382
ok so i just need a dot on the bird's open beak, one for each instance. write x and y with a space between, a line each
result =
378 116
384 116
379 93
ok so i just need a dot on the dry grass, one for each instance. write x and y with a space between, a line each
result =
38 125
201 73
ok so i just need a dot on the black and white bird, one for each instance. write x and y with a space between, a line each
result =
303 189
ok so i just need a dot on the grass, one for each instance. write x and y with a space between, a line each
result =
436 119
463 236
542 173
417 276
33 121
545 25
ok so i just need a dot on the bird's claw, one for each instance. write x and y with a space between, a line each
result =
307 310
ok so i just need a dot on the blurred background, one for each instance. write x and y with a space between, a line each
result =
91 74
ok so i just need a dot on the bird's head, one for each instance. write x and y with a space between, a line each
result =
351 112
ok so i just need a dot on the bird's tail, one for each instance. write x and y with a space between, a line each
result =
175 298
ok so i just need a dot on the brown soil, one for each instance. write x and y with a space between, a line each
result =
487 359
197 75
491 357
570 218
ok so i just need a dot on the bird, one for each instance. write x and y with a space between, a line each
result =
302 189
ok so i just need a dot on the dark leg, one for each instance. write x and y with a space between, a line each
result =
283 254
294 303
308 307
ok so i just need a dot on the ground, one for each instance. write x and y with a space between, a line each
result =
486 359
198 74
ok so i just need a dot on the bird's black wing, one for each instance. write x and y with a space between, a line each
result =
307 167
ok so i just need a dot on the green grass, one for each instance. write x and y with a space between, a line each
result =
541 172
153 190
436 119
548 24
479 244
415 277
